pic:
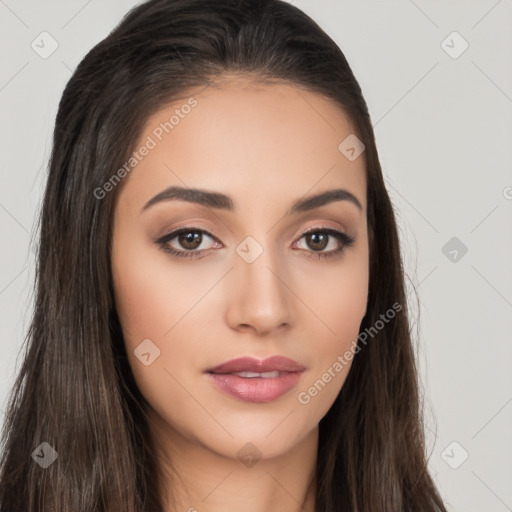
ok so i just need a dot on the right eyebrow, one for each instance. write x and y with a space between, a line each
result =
192 195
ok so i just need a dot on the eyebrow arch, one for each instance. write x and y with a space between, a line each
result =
221 201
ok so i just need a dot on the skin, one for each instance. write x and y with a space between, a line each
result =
265 146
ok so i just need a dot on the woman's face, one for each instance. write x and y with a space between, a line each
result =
243 279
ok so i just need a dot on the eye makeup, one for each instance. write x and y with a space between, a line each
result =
194 235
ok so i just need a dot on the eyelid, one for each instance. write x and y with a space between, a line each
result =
321 226
173 233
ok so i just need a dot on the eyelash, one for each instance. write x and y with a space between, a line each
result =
345 240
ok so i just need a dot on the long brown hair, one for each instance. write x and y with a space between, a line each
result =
75 390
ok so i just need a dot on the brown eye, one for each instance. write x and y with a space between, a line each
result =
317 241
190 239
187 242
325 243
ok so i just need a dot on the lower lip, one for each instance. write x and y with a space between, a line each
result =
255 389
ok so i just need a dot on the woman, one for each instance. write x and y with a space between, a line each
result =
220 319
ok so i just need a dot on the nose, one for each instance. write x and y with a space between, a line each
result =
258 297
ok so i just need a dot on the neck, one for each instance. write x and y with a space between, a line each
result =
195 478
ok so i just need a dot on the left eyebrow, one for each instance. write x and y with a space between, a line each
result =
222 201
312 202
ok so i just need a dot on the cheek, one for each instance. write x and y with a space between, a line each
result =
155 302
337 299
337 296
166 303
152 295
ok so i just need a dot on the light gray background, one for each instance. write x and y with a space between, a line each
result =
444 133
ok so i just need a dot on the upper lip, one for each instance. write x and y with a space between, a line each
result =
251 364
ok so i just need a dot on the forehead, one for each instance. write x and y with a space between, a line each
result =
248 138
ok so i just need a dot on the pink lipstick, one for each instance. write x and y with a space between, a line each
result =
253 380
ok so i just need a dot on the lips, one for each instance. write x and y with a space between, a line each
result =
252 380
250 364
